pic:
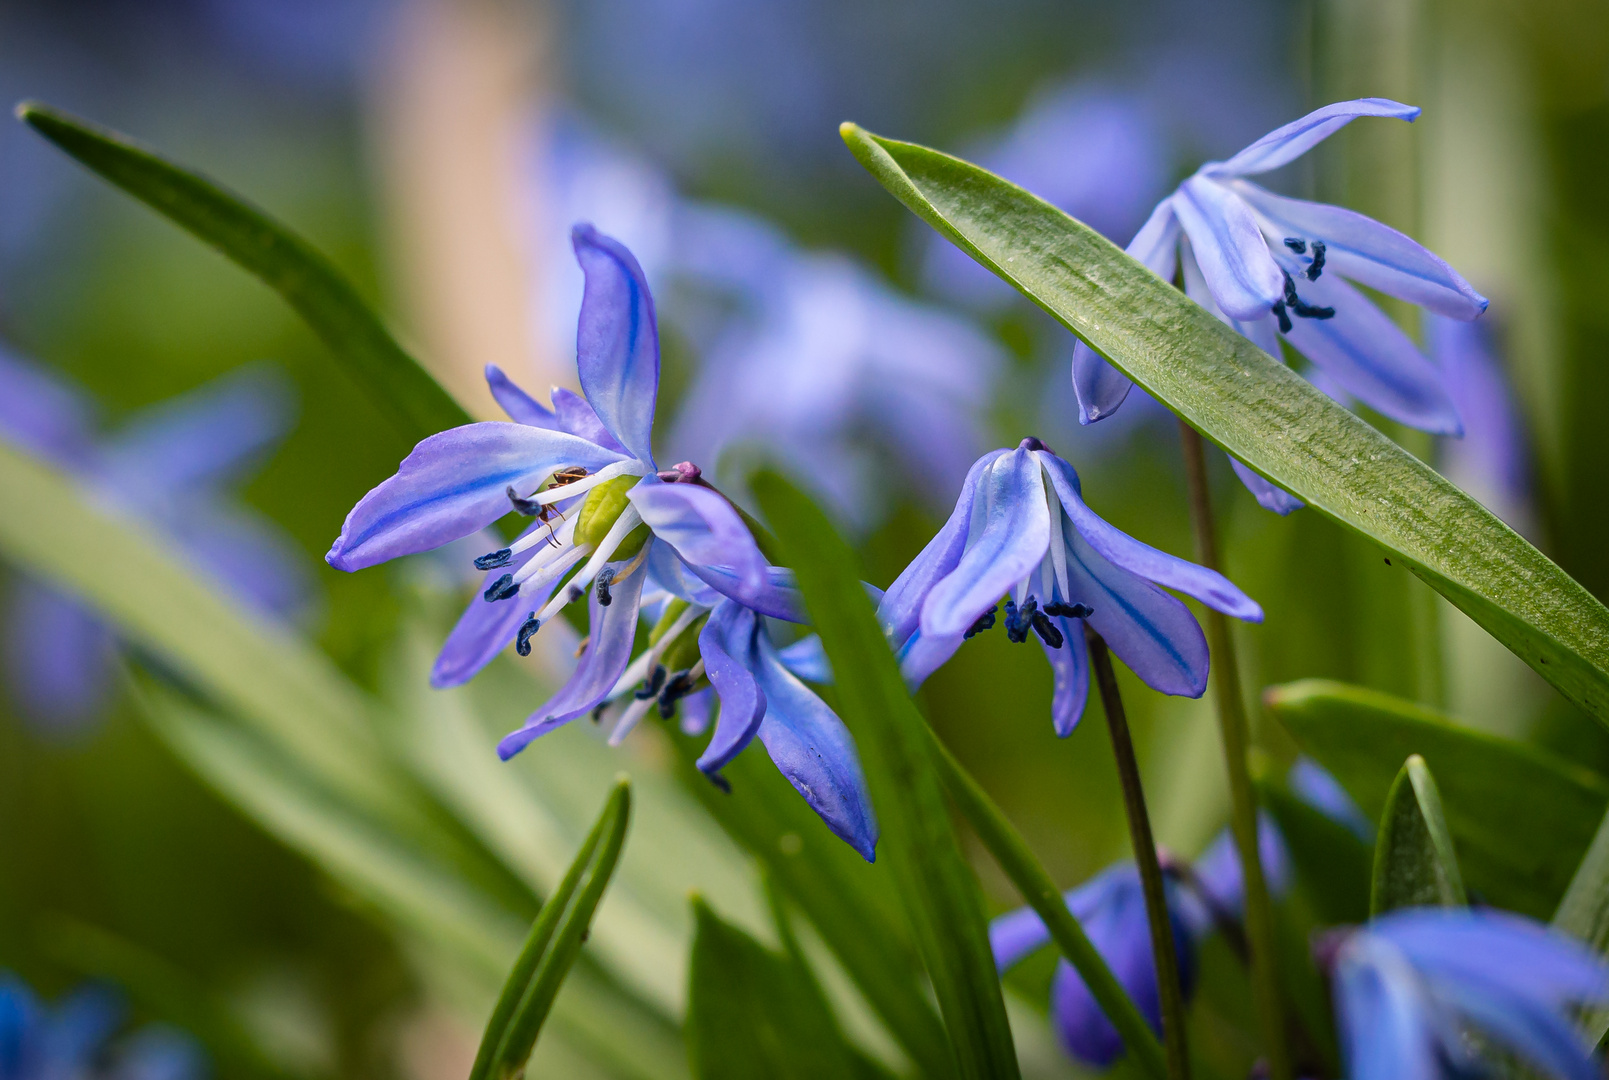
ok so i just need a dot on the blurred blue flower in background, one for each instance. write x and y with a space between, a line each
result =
1257 260
1313 784
1409 985
1202 897
1490 461
167 467
72 1040
1021 527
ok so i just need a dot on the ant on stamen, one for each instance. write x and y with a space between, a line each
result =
546 512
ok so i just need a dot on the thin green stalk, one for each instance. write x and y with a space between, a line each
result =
1243 801
1156 899
1011 852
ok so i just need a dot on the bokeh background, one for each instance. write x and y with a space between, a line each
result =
438 150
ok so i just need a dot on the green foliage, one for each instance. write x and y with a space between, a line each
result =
267 249
1414 861
937 889
1517 846
1259 410
1332 865
553 946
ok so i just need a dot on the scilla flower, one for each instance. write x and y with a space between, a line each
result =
1206 896
70 1041
1272 266
1409 985
607 520
1021 531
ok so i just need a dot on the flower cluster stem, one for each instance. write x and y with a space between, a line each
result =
1243 801
1170 992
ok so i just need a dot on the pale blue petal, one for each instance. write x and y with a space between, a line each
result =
923 654
1364 250
1267 495
1383 1020
1229 248
1286 144
1099 387
778 596
578 418
703 528
1311 783
1157 243
617 340
1127 553
1016 935
1009 537
1370 357
1150 631
605 659
696 709
59 658
807 658
484 630
1262 331
1218 868
454 484
1069 665
727 645
1497 948
813 749
668 572
521 407
44 415
901 609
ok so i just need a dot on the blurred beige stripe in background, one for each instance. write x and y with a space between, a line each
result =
454 109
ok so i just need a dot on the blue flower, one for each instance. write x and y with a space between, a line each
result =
1490 461
1311 783
607 522
71 1040
1272 266
1410 984
167 468
1202 898
1021 528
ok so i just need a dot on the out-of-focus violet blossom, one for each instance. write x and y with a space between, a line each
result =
168 467
1021 529
1202 897
1272 266
73 1040
607 521
1490 461
1410 985
1094 150
1312 783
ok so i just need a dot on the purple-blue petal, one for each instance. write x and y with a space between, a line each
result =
1015 935
1127 553
1286 144
703 528
59 658
727 646
617 340
812 748
1369 356
1493 948
453 484
521 407
1229 247
1267 495
778 596
807 658
900 611
247 553
1069 666
1013 539
608 653
1363 249
484 630
1383 1020
1532 1028
578 418
1099 387
44 415
1312 783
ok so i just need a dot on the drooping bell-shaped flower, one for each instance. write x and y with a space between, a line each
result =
1021 531
1408 986
607 520
1203 897
1272 267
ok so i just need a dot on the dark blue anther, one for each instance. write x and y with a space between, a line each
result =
501 589
597 711
606 577
1284 319
676 689
522 643
528 507
1032 443
1300 308
1063 610
721 782
652 685
1317 267
495 559
1019 620
1296 244
1047 631
981 623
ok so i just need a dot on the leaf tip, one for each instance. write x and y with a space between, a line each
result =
849 130
26 109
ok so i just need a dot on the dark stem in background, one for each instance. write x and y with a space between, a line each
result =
1156 903
1243 802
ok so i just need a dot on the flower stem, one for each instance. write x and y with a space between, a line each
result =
1243 801
1169 990
1011 852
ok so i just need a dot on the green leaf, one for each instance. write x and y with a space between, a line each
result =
1584 914
267 249
1517 849
553 946
1414 861
752 1012
938 891
1012 853
1332 865
1259 410
849 902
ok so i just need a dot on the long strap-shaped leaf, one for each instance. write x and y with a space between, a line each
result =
264 247
553 945
918 845
1260 411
